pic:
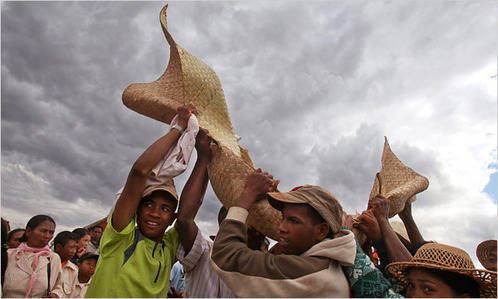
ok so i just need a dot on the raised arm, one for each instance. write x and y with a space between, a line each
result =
411 227
131 195
396 251
193 193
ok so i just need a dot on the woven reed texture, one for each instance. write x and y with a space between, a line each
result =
262 216
484 249
397 182
188 80
400 229
449 258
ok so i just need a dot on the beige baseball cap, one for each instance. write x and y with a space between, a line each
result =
168 186
318 198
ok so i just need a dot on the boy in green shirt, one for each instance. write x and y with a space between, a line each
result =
136 261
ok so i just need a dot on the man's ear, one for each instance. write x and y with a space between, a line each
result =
58 247
321 231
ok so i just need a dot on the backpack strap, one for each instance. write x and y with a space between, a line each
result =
48 277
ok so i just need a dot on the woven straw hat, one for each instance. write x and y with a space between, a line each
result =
483 250
188 80
397 182
447 258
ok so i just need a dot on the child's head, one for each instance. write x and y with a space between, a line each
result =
14 236
156 211
86 265
65 245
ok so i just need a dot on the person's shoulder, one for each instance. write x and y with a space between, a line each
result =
54 257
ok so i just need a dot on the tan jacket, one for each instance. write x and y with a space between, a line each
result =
250 273
79 290
18 273
69 278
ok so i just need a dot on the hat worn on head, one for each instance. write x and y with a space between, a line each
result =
446 258
88 255
484 249
168 186
318 198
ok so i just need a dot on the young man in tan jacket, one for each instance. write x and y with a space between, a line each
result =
311 239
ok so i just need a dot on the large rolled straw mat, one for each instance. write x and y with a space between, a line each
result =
188 80
397 182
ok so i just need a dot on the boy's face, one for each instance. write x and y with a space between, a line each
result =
296 231
87 267
155 213
67 251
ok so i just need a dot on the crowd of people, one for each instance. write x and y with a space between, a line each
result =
153 247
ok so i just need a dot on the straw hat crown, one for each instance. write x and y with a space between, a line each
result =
443 255
397 182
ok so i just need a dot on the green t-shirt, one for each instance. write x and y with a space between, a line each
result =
132 265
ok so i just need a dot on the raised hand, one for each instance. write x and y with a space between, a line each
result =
202 142
257 185
368 224
184 113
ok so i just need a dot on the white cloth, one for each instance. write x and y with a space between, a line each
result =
175 162
201 280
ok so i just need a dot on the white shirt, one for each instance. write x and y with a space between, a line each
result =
69 278
201 280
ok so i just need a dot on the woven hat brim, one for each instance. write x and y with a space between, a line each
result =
485 279
483 250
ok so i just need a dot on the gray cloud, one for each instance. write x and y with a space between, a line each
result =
312 88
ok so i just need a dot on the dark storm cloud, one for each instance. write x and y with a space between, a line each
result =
312 88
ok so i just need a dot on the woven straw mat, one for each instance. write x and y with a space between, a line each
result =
397 182
188 80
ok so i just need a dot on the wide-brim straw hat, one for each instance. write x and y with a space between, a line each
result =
188 80
446 258
483 250
397 182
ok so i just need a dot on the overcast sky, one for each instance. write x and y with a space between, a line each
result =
311 86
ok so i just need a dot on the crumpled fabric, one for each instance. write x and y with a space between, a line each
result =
176 160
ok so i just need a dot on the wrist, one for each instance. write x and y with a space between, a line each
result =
246 200
178 128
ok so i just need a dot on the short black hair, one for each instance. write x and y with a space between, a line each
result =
459 283
88 255
96 226
80 232
64 237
